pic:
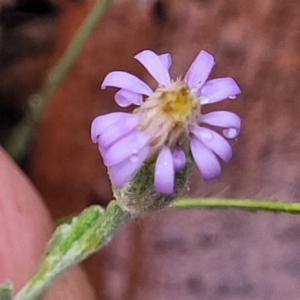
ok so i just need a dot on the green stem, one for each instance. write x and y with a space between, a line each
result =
93 228
245 204
73 243
20 137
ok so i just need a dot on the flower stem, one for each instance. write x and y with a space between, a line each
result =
93 228
72 243
21 136
245 204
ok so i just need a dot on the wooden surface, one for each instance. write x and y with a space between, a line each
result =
188 255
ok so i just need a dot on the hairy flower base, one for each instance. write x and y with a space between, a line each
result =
139 195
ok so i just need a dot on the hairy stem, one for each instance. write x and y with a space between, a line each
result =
72 243
245 204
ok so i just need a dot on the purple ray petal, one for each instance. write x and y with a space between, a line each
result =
124 148
123 171
153 64
166 60
164 172
102 150
219 89
126 81
100 123
117 130
205 160
200 69
222 118
213 141
125 98
179 159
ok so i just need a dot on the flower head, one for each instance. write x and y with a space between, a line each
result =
165 130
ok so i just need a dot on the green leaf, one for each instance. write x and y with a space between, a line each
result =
6 291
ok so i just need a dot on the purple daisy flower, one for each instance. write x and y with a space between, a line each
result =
166 127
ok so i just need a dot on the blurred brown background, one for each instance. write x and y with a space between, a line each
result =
178 255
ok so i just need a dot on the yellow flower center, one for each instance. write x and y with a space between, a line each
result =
167 114
177 103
